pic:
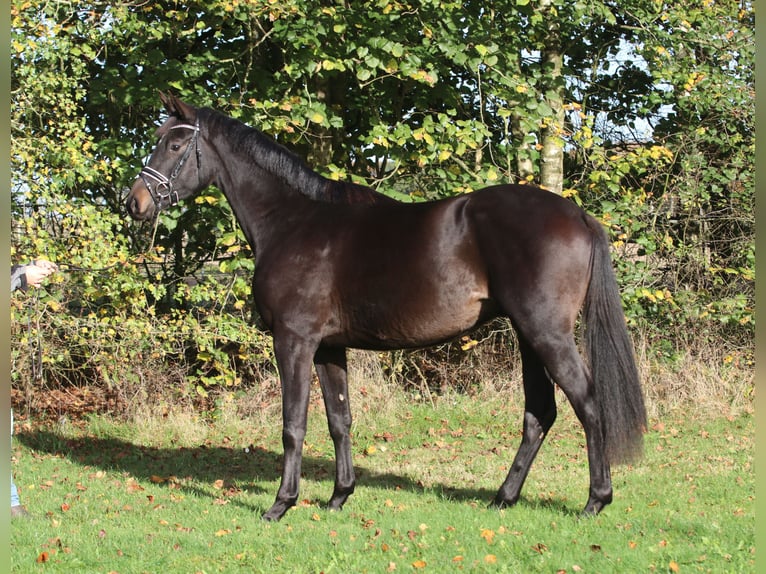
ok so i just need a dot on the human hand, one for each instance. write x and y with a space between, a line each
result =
39 270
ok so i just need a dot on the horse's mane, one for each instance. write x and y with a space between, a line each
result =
289 167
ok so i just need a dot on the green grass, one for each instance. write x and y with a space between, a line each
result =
184 496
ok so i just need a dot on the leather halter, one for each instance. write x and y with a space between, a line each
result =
161 187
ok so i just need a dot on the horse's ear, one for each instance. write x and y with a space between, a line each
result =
177 108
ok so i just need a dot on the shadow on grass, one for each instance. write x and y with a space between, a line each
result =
189 468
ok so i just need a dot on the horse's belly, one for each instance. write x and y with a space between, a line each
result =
408 323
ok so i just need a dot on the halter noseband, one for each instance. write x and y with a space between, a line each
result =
161 187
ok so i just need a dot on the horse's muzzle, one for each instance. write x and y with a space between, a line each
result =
139 203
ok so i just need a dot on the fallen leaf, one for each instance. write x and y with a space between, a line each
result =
386 436
54 542
42 558
488 535
490 559
218 484
65 507
223 532
133 486
470 344
419 564
673 566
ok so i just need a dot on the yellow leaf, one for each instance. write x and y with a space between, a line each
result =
419 564
469 344
673 566
223 532
490 559
317 118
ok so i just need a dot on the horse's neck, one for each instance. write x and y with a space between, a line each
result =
261 201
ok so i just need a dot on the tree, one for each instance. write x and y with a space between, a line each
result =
639 111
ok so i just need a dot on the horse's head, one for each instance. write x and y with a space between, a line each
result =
174 170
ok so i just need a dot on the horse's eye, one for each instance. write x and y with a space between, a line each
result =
175 147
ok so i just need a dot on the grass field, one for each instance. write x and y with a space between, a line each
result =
179 494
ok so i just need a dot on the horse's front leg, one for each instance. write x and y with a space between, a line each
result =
331 367
294 364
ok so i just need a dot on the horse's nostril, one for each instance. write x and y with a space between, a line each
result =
132 207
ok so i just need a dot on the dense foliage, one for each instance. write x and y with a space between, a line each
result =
641 111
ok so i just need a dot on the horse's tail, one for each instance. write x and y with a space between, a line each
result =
610 353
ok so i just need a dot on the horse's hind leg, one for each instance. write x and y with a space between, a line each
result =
567 369
331 368
539 415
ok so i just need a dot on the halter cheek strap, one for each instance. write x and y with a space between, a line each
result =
161 187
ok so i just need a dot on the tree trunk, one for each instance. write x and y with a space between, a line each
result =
552 59
524 164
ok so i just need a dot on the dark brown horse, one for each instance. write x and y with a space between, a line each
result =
342 266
